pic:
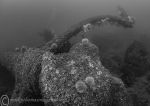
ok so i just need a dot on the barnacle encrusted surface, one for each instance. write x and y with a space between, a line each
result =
27 69
78 78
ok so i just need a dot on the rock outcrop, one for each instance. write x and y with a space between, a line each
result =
79 78
60 74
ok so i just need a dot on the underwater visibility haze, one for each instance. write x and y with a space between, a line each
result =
75 52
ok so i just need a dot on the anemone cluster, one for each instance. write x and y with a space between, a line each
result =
78 78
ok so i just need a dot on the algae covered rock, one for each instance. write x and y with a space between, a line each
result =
79 78
60 74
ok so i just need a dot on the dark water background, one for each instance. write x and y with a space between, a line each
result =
22 20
